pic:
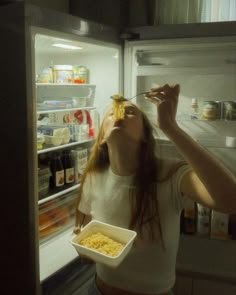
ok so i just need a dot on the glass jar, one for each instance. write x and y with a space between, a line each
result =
210 110
80 74
229 110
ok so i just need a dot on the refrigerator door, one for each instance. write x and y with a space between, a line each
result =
27 37
205 68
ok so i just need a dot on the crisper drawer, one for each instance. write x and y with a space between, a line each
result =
56 215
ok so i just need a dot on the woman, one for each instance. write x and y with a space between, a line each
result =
125 184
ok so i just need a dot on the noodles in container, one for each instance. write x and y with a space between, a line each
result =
104 243
118 107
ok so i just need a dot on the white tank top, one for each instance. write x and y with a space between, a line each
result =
148 268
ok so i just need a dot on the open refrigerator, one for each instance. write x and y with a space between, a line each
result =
72 93
205 68
45 106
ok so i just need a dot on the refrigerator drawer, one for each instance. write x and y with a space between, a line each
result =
56 215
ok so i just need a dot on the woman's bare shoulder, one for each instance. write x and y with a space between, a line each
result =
168 166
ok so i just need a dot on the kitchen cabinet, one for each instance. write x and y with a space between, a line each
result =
183 285
206 287
194 285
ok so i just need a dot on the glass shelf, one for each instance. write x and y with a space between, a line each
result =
64 84
54 148
65 110
208 238
56 195
208 143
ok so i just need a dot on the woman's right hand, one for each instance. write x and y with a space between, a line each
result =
83 259
166 99
77 229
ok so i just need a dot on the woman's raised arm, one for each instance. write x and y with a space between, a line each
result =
210 182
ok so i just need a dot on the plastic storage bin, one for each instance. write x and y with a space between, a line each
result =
55 216
122 235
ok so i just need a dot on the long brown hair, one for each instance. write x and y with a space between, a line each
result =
144 200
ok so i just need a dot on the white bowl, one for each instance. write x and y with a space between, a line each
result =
119 234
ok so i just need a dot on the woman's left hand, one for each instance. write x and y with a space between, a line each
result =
166 99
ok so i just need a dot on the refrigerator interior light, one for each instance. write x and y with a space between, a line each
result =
66 46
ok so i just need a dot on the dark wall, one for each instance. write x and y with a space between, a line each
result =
19 240
118 13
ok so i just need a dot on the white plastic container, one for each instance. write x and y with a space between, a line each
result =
119 234
62 74
230 141
53 140
79 101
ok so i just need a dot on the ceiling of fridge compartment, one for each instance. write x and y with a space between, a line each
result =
102 60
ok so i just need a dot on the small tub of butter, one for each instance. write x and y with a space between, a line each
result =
230 141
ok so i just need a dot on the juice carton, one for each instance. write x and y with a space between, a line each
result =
219 225
80 158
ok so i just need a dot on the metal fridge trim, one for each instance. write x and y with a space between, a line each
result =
191 30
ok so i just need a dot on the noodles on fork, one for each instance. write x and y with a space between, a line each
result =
118 107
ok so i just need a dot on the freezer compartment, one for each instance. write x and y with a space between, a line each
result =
205 69
56 216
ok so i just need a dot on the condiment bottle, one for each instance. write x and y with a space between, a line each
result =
69 167
194 109
232 226
57 179
189 219
203 220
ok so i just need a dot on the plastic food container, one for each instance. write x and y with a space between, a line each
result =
63 74
119 234
53 217
43 181
60 136
79 101
56 216
53 140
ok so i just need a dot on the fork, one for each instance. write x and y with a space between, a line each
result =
127 99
